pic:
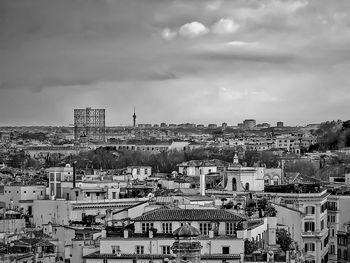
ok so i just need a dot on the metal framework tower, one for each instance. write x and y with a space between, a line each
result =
134 118
89 123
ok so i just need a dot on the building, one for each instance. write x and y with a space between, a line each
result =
13 195
139 172
152 238
249 124
89 124
288 143
57 176
199 167
303 208
280 124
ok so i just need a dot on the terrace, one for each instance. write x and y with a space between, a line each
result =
295 188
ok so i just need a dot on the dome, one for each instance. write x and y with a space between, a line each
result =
68 165
186 231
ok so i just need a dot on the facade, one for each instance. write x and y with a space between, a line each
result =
153 240
311 220
13 195
199 167
288 143
249 124
343 243
139 172
239 178
280 124
90 124
57 176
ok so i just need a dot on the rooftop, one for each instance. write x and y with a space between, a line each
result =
188 215
295 188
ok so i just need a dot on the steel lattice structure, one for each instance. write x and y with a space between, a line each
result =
89 123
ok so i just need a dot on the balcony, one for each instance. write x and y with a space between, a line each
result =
315 233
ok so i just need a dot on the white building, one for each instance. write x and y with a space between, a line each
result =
139 172
153 239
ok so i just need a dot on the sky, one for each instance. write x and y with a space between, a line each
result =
176 61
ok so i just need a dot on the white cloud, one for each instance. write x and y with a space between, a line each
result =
193 29
168 34
225 26
213 6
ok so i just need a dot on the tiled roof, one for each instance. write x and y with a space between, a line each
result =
188 215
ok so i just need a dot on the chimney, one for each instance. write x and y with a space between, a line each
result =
74 174
126 233
202 184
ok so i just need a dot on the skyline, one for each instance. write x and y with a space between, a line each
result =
177 61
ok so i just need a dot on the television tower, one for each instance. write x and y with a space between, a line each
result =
134 119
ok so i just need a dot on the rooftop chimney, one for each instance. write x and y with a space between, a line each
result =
202 184
74 174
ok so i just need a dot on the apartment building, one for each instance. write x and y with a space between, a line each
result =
152 238
309 225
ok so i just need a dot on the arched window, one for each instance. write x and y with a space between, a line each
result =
267 180
310 210
234 184
247 186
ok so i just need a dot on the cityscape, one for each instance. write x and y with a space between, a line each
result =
174 131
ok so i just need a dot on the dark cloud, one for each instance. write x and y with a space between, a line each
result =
263 55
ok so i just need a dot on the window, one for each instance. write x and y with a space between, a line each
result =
34 191
325 241
87 194
52 177
332 250
310 210
115 249
331 218
309 247
140 250
114 195
332 206
166 250
23 192
146 171
138 171
167 228
332 232
204 228
58 177
97 194
322 224
41 192
309 226
146 227
345 254
230 228
225 250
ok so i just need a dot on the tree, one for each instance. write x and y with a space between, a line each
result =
283 239
250 247
270 211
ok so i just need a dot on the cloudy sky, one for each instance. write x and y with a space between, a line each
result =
202 61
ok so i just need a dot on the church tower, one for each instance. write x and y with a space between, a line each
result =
134 119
